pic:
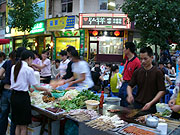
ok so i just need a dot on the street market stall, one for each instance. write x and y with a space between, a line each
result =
111 119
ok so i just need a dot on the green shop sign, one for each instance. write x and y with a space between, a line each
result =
82 42
38 28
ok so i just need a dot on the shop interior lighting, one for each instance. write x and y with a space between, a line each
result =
51 44
36 44
105 33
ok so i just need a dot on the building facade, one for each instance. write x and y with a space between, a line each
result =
5 45
99 39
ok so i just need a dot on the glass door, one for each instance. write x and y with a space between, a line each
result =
93 50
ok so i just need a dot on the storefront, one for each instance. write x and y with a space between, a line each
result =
64 33
107 35
65 39
37 38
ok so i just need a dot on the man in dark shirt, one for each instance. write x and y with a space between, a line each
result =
150 82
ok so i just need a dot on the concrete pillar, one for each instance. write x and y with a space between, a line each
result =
81 6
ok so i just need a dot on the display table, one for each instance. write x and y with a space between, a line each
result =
85 130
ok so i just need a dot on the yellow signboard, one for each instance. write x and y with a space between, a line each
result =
56 24
63 43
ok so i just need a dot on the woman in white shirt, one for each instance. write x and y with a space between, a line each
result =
45 68
81 73
63 64
22 77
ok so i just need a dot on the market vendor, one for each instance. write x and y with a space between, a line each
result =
150 82
174 103
81 78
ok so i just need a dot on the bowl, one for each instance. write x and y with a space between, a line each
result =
161 107
92 104
152 121
57 95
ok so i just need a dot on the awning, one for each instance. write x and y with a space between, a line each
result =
4 41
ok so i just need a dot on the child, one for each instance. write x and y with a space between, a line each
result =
22 77
115 80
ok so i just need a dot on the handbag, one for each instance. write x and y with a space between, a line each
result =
119 83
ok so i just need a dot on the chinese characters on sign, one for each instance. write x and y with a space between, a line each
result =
104 21
55 24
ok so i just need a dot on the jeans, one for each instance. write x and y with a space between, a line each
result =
123 93
5 110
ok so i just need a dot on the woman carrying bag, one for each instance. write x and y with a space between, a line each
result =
22 77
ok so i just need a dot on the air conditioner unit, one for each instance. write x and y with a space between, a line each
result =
50 16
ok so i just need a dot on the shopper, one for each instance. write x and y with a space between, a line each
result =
45 68
171 70
63 64
105 76
115 80
20 99
36 61
150 82
1 59
69 72
132 63
55 69
81 78
174 103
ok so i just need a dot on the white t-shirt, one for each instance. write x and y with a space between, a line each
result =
2 63
25 78
79 68
46 71
63 66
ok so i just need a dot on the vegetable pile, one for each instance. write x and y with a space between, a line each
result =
78 101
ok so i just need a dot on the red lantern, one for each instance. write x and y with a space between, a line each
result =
116 33
95 33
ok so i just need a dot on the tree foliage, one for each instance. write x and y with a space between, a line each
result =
157 20
23 14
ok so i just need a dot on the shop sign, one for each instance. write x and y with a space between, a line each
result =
104 21
67 33
106 33
56 24
82 42
38 28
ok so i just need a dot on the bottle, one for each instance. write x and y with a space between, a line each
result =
101 99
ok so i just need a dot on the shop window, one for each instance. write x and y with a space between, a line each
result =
1 20
50 7
109 45
107 5
67 5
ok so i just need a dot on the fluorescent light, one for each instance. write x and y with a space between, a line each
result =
111 4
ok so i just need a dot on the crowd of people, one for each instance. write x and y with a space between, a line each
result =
141 83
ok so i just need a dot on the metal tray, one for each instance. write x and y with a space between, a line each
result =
120 131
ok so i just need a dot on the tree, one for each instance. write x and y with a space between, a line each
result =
157 21
22 15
